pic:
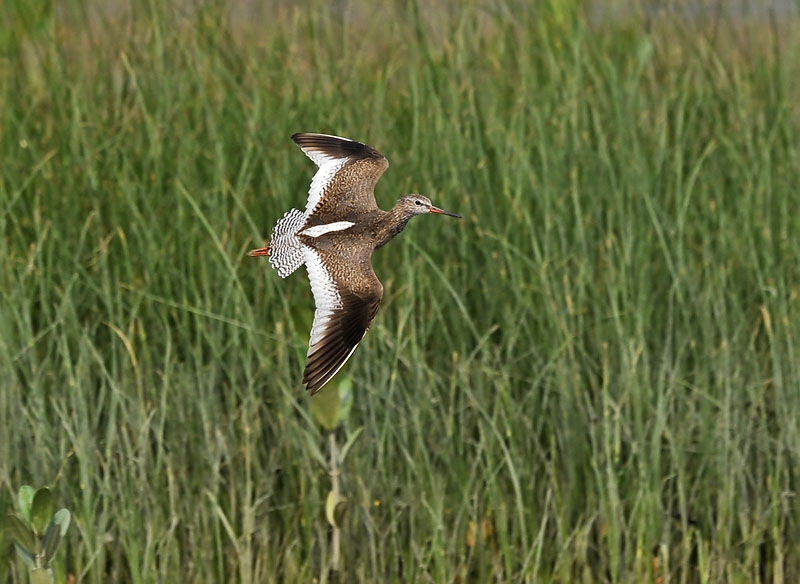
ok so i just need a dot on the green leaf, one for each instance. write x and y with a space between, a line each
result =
331 405
24 501
21 533
325 407
55 531
50 541
345 397
42 510
62 519
335 508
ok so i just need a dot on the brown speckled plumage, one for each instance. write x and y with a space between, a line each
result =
343 226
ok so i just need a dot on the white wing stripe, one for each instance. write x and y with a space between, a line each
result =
318 230
326 297
328 167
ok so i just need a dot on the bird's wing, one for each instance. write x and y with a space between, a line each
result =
343 186
347 294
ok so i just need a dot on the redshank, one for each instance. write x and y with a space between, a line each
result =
335 237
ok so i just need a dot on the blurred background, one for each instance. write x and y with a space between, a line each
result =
592 377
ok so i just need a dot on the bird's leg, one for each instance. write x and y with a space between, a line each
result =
264 251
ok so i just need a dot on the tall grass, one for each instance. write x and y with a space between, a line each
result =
592 377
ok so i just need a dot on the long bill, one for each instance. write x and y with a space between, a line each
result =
443 212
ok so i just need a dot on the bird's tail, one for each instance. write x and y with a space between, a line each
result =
285 250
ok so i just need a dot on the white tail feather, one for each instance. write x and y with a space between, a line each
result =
285 250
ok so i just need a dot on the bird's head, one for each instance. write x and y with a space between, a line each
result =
417 205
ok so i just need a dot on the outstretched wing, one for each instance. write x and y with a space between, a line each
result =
343 186
347 295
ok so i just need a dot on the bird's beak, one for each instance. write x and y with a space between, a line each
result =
264 251
443 212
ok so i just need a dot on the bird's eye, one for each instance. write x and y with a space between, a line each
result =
417 202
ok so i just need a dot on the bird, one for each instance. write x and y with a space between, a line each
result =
334 237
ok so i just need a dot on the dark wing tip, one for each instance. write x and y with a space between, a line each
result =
333 351
334 146
342 337
322 368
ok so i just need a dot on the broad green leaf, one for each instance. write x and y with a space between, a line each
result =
21 533
62 519
331 405
325 407
42 510
50 542
345 398
24 501
55 531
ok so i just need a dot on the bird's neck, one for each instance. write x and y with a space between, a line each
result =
390 224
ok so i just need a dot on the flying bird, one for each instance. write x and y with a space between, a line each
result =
334 237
